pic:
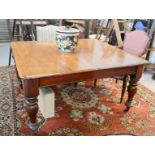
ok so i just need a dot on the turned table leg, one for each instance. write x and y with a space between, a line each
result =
132 88
31 92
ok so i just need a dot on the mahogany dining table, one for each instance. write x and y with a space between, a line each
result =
41 64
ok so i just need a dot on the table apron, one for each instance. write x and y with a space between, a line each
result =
75 77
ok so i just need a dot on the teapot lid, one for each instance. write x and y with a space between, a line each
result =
67 29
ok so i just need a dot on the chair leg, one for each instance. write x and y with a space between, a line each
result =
123 88
75 84
10 57
95 82
153 77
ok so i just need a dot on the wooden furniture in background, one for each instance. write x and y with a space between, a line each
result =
42 64
99 31
27 28
94 26
79 23
151 48
114 24
11 39
24 29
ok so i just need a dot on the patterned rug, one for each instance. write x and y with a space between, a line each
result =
84 110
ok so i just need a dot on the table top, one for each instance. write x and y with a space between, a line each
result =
36 59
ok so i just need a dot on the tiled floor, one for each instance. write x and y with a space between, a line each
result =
4 58
147 80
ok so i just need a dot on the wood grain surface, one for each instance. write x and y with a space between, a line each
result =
43 59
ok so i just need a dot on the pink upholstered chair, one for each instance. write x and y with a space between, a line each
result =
135 42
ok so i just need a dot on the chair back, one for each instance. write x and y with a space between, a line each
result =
46 33
135 42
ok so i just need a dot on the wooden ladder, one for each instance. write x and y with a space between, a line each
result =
114 24
151 36
99 31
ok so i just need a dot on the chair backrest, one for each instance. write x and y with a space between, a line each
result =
46 33
135 42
